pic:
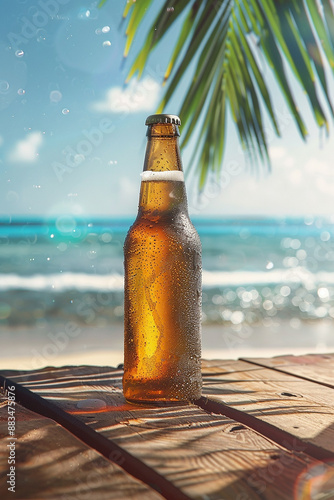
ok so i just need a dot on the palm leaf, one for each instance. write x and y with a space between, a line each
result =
221 42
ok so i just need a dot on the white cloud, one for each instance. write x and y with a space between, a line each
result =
137 96
318 167
289 162
296 176
276 152
27 149
305 188
129 188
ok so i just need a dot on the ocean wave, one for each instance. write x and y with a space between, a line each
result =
298 275
84 282
63 281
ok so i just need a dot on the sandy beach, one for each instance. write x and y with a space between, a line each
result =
73 344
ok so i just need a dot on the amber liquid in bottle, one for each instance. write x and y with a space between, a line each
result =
162 258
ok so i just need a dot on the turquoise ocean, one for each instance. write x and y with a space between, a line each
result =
71 269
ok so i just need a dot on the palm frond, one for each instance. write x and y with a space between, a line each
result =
225 39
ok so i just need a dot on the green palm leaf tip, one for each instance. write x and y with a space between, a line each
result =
215 36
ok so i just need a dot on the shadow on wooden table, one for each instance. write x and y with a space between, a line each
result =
208 456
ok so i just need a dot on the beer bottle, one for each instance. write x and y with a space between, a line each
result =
162 260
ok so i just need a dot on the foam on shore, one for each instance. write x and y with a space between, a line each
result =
167 175
84 282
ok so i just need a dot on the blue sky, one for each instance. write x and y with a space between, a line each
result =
72 137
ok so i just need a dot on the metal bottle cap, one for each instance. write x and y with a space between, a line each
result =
163 119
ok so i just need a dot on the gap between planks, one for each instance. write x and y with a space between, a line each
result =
213 468
52 463
285 370
280 436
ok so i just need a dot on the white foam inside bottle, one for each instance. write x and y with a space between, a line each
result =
167 175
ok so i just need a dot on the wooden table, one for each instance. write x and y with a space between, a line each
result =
263 429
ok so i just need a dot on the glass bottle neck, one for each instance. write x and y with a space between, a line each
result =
162 189
162 151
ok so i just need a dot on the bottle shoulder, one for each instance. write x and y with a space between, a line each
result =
177 226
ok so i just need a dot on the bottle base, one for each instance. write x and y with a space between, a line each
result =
157 402
161 392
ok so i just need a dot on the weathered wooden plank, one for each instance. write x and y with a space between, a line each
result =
95 440
300 409
314 367
51 463
205 456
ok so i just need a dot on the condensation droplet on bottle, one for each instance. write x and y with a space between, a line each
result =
107 43
65 111
19 53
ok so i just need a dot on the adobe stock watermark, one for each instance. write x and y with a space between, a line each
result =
84 487
92 305
234 168
75 155
235 337
124 105
57 343
44 11
87 309
213 189
262 478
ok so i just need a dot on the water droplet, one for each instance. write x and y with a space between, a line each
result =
65 111
105 29
94 13
48 258
106 237
269 265
55 96
52 235
4 86
62 247
267 305
301 254
323 293
295 244
285 291
107 43
308 220
325 236
21 91
98 31
19 53
87 13
41 36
